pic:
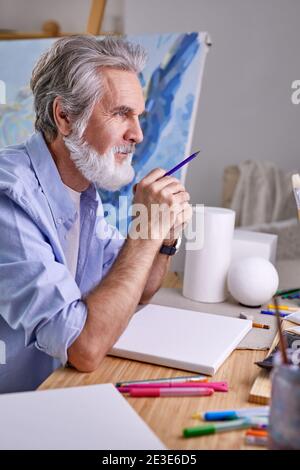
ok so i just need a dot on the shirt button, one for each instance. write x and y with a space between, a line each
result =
59 220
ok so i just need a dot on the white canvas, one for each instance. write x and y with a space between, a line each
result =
184 339
91 418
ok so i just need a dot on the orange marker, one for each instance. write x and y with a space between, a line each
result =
257 433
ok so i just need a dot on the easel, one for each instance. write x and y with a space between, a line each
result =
52 28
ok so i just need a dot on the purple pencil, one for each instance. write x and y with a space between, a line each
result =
186 160
177 167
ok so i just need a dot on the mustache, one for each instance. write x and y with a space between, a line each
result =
125 148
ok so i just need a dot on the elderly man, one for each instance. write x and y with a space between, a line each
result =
67 293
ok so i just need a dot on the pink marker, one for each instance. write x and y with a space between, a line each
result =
216 386
171 392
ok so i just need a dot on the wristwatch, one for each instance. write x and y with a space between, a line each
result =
171 250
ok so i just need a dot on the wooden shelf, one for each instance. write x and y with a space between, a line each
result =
51 29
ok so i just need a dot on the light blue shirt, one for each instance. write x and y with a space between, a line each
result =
41 306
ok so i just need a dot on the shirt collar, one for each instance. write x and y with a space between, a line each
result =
59 199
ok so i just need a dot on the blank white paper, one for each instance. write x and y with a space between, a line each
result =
90 417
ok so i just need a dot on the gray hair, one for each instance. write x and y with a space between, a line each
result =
71 70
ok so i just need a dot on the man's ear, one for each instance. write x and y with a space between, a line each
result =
62 121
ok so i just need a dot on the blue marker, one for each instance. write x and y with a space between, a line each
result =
227 415
271 312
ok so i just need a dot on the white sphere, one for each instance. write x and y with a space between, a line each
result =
252 281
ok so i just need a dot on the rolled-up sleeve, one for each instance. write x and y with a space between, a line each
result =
64 328
37 293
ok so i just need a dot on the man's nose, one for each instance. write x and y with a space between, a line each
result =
134 133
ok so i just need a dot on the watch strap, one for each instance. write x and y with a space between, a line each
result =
168 249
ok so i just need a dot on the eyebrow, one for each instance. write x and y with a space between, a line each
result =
126 109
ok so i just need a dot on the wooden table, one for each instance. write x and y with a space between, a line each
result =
168 416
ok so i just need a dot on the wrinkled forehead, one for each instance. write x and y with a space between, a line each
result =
122 88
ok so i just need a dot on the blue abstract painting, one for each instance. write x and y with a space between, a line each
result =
171 82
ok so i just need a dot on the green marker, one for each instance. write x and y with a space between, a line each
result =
206 429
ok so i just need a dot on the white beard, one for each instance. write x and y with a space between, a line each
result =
103 170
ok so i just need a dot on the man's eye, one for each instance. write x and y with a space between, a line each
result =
120 113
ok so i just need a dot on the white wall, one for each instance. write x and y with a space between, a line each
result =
29 15
245 109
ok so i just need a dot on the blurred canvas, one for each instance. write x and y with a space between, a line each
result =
171 82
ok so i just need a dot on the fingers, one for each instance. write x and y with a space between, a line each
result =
148 179
166 190
166 201
155 181
176 231
164 186
152 176
180 215
171 194
167 182
184 215
180 198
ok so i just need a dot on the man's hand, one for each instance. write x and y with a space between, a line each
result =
165 200
181 222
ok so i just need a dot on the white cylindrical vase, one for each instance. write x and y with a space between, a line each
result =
205 272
